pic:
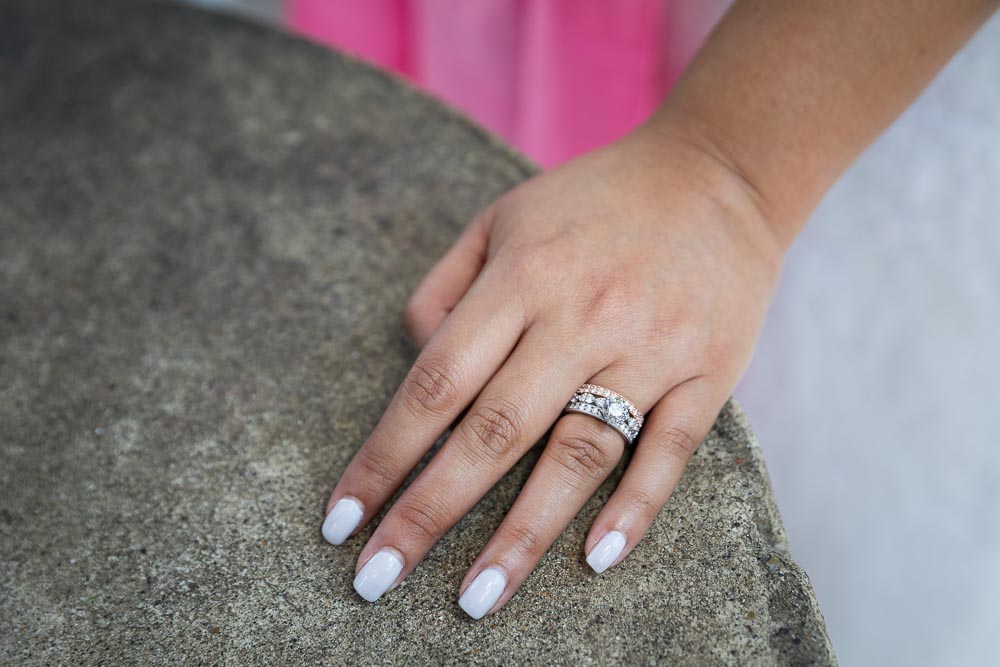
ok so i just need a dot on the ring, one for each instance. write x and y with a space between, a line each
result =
610 407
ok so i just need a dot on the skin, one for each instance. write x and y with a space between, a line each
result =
645 267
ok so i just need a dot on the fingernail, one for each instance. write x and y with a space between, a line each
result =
483 592
377 575
606 551
342 520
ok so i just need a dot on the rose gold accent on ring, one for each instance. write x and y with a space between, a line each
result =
598 390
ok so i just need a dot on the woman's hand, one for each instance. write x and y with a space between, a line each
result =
645 267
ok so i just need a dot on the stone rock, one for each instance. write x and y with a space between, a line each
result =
207 233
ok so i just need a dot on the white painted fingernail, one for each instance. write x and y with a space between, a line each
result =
342 520
483 592
378 574
606 551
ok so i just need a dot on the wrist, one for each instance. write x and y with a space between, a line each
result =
686 161
734 176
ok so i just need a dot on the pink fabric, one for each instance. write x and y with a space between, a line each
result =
553 77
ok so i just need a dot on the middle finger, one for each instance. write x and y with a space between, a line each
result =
581 452
514 411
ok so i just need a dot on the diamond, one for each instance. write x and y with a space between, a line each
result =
617 409
586 398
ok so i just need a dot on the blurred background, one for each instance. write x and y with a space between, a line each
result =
874 390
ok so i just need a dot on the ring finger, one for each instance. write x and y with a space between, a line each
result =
581 452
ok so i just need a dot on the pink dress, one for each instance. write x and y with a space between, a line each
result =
553 77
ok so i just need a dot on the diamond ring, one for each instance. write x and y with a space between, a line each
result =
610 407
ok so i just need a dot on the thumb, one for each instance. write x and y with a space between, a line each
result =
448 281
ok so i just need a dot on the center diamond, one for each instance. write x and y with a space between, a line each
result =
617 409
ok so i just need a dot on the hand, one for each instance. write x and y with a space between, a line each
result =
645 267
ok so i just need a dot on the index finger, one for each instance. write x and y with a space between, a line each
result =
456 364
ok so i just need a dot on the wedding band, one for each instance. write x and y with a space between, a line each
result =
610 407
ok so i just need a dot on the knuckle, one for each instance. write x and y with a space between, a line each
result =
375 468
677 440
431 385
668 330
423 519
517 271
523 540
585 455
528 264
606 300
495 428
640 502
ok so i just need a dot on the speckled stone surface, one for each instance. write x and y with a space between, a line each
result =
207 233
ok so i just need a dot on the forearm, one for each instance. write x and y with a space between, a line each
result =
786 93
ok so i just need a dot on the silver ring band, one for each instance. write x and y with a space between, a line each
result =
610 407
